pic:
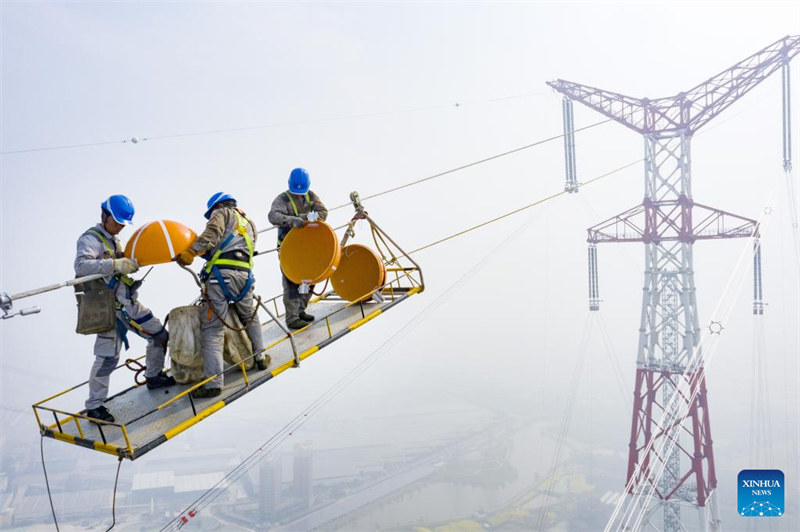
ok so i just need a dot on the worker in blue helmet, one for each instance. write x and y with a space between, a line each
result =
295 208
227 244
110 308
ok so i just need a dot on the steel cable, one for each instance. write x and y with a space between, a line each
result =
47 483
528 206
135 140
474 163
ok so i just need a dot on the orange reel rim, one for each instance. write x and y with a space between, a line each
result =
310 254
360 272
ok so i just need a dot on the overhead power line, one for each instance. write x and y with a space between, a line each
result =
137 140
454 170
528 206
475 163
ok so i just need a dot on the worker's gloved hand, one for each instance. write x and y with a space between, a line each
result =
313 216
297 221
125 266
185 258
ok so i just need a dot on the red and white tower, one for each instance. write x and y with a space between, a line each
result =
671 456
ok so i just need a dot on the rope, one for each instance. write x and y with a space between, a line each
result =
137 367
114 500
324 287
222 320
47 483
548 198
135 140
375 236
469 165
288 430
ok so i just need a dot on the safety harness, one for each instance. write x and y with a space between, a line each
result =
283 231
135 323
222 260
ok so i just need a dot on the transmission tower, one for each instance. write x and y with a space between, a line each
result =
671 456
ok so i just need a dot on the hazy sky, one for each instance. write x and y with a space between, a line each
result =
89 72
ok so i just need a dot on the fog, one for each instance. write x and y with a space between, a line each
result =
496 382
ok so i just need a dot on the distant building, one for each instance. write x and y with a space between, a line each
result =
302 473
163 490
270 479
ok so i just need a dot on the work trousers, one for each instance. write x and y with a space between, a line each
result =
107 346
293 301
212 329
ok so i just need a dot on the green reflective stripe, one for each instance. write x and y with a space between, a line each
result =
127 280
111 252
294 207
213 261
309 203
230 262
241 228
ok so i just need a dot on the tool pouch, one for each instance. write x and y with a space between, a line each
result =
96 310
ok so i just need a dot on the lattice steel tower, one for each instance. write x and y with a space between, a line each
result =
670 456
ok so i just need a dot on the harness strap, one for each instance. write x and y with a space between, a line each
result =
122 332
104 240
226 291
127 280
241 229
283 231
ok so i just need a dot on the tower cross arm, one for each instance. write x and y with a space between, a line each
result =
625 109
711 97
709 223
686 111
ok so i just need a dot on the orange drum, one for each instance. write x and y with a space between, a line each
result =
360 272
310 254
159 242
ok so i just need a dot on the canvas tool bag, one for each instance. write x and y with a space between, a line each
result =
96 311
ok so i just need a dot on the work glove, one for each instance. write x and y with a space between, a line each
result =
297 221
125 266
185 258
313 216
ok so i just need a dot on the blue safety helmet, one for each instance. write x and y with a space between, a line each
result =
120 208
219 197
299 181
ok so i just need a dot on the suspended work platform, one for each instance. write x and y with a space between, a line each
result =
147 418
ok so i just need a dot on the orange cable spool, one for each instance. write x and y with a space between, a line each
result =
360 272
310 254
159 242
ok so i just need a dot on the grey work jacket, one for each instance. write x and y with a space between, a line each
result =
222 223
92 257
281 212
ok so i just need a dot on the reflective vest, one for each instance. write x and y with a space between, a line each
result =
128 281
283 231
216 262
240 229
114 254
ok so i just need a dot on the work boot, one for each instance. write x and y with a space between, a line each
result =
263 362
203 392
306 316
160 381
298 324
101 413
